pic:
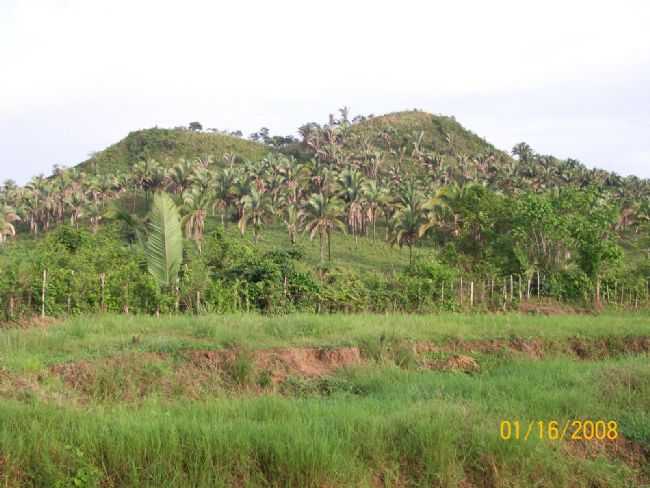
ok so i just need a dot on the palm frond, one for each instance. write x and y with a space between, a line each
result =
164 249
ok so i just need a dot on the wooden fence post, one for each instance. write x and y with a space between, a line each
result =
43 293
471 294
102 284
511 288
126 305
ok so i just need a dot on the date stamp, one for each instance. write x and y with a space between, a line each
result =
554 430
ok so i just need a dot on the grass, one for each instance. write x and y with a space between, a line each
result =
361 255
380 423
91 337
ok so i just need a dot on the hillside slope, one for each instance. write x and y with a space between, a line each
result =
167 146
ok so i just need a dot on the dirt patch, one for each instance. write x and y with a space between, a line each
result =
457 362
555 308
283 362
195 373
538 348
32 322
630 453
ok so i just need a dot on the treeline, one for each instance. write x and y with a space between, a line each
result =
72 271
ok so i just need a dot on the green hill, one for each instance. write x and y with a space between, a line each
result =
440 133
167 146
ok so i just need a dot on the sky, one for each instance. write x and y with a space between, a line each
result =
570 77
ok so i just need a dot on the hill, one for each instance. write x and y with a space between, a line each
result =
439 133
167 146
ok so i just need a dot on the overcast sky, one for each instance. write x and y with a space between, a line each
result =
571 78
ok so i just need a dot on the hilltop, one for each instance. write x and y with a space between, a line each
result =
439 133
167 146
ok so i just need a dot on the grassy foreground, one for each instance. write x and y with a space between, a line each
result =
117 401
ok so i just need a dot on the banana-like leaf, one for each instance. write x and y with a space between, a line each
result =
164 249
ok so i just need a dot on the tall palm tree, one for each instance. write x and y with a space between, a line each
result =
223 192
75 201
256 207
196 202
375 197
410 221
289 212
321 216
95 214
351 186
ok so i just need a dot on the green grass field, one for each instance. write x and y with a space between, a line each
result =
338 400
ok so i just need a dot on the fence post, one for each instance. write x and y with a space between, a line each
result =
43 293
471 294
538 285
126 305
511 288
461 291
102 283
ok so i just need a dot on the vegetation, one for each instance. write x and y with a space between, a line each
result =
119 401
483 230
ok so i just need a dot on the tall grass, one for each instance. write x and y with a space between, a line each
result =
400 427
384 423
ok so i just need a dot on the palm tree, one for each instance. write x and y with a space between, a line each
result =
180 176
196 203
290 214
223 192
321 216
374 198
408 228
410 221
75 201
351 184
7 217
523 151
149 176
255 208
95 214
